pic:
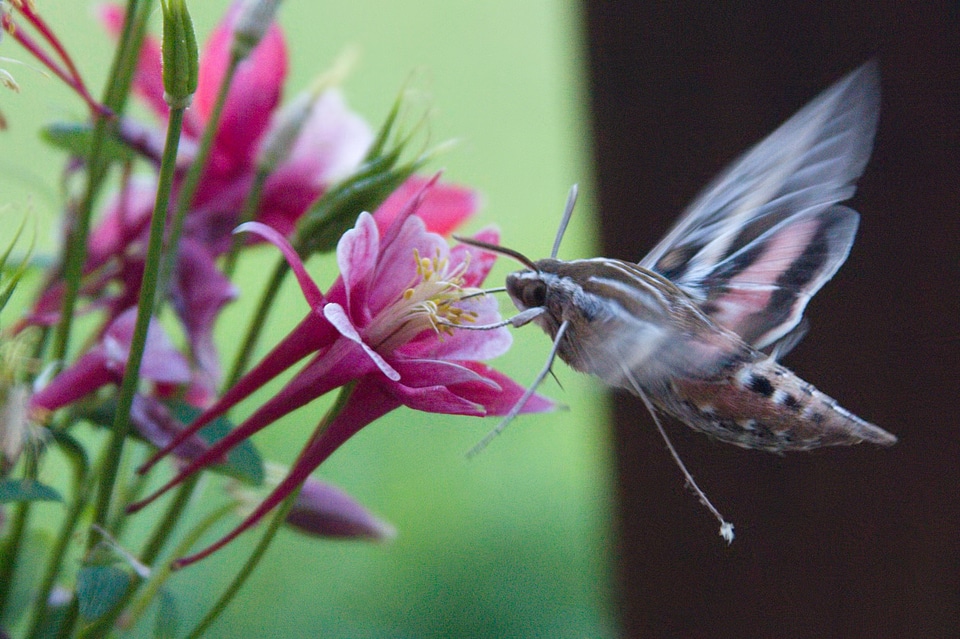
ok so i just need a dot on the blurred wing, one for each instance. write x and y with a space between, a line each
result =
765 235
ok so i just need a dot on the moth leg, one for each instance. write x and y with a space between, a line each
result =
726 528
520 319
479 446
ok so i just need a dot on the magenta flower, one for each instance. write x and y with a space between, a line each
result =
330 145
105 362
384 328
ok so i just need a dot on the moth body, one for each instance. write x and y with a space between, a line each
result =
636 330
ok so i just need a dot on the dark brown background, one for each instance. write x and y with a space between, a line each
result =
854 542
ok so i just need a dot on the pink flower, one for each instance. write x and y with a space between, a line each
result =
330 145
104 364
384 327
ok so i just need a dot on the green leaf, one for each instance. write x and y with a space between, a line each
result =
12 490
243 462
99 588
76 139
166 620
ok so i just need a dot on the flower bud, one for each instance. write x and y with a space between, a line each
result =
180 60
326 511
252 24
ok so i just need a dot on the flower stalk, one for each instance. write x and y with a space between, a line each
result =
180 74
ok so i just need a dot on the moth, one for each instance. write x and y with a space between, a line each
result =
696 328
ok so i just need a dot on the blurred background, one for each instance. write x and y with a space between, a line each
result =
527 540
844 542
515 542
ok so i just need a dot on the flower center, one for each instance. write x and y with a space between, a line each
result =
430 303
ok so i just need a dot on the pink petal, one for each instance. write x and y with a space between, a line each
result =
480 262
499 402
253 95
89 373
357 254
199 294
338 317
161 360
397 266
331 144
444 208
310 290
323 510
431 373
125 220
436 399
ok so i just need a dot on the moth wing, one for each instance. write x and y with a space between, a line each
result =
761 209
760 291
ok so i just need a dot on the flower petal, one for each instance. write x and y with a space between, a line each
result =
499 402
338 317
254 92
423 373
479 261
199 294
161 361
357 254
444 208
309 288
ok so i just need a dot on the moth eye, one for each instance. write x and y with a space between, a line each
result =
534 295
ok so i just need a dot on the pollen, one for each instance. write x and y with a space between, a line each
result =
433 301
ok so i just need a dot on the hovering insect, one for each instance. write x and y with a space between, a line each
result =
695 329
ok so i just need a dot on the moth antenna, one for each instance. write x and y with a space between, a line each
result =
567 213
479 446
726 528
500 250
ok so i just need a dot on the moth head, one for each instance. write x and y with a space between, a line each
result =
527 289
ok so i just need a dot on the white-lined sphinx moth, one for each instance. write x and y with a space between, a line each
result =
696 327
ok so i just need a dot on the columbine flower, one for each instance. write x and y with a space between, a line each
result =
331 143
383 330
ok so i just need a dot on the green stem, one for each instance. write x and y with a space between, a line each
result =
162 573
257 323
170 519
275 523
148 290
241 578
78 457
11 551
250 206
75 248
192 179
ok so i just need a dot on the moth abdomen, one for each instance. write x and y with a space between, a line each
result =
763 405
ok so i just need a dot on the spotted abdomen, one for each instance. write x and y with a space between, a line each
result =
762 405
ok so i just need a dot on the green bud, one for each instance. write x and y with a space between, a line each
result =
180 64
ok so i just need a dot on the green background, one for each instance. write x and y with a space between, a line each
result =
513 543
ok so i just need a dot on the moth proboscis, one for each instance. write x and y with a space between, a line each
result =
695 329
